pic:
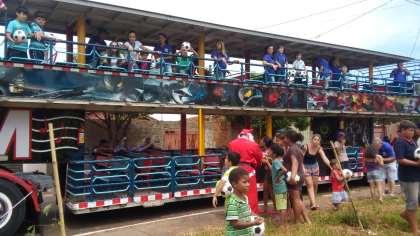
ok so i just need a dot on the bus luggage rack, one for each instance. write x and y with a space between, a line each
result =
127 176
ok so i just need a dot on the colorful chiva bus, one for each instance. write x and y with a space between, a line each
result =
66 86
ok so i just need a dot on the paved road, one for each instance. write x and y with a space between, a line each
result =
171 219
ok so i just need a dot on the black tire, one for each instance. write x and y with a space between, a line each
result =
10 192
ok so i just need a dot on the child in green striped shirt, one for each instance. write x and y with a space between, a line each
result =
238 214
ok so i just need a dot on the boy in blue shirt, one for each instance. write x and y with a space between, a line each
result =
17 46
281 60
38 47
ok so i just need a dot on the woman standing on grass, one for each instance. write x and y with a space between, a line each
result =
313 152
293 161
375 173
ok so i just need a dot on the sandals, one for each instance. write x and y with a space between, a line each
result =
314 207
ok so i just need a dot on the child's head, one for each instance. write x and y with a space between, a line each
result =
163 38
22 13
406 129
333 164
276 150
344 69
269 49
232 159
41 18
299 56
239 179
281 49
371 152
132 36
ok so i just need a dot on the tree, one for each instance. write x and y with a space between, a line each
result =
115 124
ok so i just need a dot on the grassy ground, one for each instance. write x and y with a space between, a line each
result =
379 219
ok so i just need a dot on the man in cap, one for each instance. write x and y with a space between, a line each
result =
251 156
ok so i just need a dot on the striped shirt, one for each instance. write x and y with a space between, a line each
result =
237 209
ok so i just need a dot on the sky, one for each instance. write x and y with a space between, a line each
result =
382 25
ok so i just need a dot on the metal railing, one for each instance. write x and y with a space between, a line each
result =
133 173
155 65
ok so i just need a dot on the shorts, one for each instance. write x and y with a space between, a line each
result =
345 165
390 170
411 191
281 201
375 175
339 197
312 170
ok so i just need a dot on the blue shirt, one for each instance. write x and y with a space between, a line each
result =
336 72
399 75
95 41
17 25
269 59
325 65
279 185
167 49
404 149
35 43
386 150
218 56
280 58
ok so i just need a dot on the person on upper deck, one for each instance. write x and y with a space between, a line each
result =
335 73
113 57
399 75
184 62
280 59
39 44
299 66
165 48
17 33
96 46
324 68
221 59
270 66
133 45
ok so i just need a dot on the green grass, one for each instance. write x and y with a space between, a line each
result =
380 219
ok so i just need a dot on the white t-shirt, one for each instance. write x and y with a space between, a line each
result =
299 65
137 46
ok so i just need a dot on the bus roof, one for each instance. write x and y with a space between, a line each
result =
119 20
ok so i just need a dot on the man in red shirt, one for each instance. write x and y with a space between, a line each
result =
251 156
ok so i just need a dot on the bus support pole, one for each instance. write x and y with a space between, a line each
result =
201 54
56 180
201 135
183 133
81 37
269 126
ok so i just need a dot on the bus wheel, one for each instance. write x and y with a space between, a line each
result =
10 218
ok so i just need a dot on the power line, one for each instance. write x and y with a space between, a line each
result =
353 19
413 2
312 14
415 42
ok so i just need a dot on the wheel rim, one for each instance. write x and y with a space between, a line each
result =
5 207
